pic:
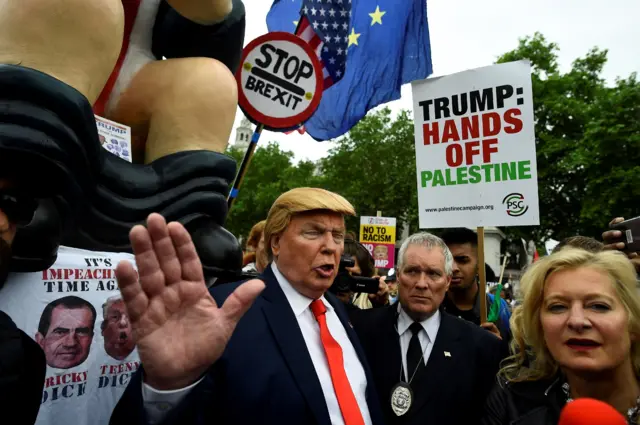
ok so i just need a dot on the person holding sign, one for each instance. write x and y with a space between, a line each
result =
428 366
463 297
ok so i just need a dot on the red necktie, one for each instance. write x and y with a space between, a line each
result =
347 401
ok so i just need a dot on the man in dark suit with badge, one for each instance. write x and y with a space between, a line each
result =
429 367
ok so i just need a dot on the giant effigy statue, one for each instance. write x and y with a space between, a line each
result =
164 68
67 59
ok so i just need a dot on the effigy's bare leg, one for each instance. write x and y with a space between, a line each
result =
181 112
55 58
74 41
178 105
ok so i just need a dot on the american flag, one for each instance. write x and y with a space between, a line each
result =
324 24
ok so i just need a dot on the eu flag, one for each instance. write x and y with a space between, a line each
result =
388 46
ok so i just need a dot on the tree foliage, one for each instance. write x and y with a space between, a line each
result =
374 167
587 141
271 173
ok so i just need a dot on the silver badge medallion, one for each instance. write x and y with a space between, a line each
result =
401 398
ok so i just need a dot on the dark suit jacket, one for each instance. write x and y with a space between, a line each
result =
449 390
525 403
22 373
265 375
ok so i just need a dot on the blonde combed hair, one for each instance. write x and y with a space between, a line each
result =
532 360
297 201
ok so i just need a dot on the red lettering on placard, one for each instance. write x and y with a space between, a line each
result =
431 131
67 378
515 123
78 274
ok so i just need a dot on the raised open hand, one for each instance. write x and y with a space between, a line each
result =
178 328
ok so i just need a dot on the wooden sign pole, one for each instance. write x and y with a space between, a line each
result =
482 284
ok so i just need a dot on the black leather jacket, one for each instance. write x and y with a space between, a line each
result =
525 403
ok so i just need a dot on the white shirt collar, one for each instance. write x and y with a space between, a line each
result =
430 325
298 302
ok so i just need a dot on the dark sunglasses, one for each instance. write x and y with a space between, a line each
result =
19 209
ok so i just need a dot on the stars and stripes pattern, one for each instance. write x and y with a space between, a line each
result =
324 24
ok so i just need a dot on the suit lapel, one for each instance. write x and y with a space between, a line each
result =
390 349
446 353
344 319
390 356
288 336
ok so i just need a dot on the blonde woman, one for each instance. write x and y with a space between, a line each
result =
575 335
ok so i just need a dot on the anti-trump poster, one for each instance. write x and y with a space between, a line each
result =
475 148
378 235
73 310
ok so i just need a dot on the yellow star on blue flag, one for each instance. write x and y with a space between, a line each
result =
376 17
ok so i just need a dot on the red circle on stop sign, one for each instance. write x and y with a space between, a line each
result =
280 81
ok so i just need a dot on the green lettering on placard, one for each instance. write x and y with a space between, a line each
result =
425 177
461 175
474 174
524 170
447 173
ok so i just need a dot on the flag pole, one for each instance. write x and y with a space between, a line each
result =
482 284
244 165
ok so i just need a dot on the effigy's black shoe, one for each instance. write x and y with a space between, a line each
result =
49 145
180 187
35 246
218 249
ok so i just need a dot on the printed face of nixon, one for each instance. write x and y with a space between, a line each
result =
68 339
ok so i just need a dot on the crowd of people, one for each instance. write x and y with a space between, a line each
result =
284 349
299 350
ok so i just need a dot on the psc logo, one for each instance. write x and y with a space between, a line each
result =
515 204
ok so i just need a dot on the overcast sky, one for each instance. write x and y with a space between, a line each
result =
468 34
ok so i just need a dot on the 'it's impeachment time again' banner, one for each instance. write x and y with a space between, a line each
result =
475 148
74 311
378 235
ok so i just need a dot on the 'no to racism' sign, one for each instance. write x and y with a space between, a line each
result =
280 81
378 235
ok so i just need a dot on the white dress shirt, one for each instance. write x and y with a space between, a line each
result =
427 337
157 404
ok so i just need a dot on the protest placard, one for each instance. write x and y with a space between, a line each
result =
114 137
75 312
475 148
378 235
280 81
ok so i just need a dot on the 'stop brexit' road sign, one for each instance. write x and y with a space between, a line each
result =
280 81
